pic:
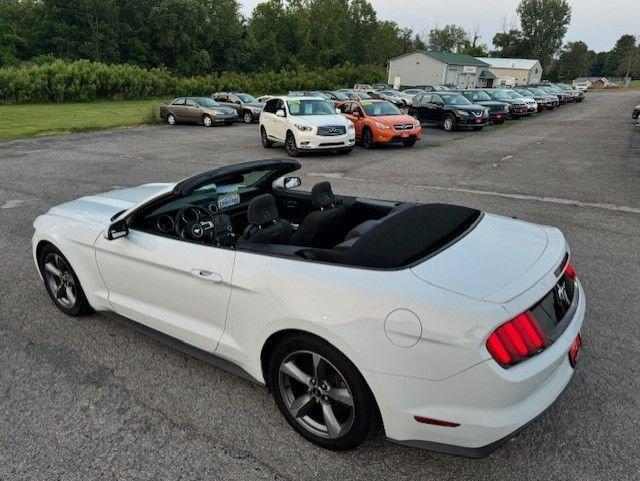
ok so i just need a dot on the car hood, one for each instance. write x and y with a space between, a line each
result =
392 120
320 120
491 103
497 261
477 108
98 209
221 111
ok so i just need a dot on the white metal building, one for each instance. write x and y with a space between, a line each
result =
438 68
524 71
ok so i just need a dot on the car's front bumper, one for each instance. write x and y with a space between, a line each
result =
490 403
392 135
311 141
498 117
221 118
473 121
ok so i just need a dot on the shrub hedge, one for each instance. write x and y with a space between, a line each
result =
82 81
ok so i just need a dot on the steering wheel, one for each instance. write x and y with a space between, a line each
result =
194 223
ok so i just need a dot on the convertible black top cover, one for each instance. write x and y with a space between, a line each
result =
411 235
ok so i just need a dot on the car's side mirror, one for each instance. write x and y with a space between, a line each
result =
238 102
287 183
116 230
280 113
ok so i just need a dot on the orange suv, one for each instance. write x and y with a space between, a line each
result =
379 121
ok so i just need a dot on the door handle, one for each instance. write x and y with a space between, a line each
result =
207 275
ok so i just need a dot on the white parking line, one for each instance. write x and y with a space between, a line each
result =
11 204
505 195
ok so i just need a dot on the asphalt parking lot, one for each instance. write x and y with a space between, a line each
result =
90 399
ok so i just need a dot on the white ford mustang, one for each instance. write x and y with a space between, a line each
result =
453 327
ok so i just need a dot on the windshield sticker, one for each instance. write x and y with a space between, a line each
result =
228 200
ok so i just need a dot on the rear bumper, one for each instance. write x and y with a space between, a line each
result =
490 404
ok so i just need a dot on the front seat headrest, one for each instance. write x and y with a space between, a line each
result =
322 195
262 210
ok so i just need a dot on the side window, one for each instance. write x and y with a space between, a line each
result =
190 103
436 99
179 101
280 106
357 110
233 99
270 106
345 108
427 99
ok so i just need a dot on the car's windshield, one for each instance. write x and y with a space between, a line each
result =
441 88
565 87
340 95
390 93
477 95
377 109
309 107
363 96
526 92
321 95
499 95
537 91
513 94
455 99
247 99
206 102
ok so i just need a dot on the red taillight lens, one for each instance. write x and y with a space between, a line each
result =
570 271
516 340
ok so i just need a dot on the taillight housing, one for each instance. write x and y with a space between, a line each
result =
517 340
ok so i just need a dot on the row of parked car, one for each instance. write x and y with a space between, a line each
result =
336 120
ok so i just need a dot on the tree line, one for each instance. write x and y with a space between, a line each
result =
195 37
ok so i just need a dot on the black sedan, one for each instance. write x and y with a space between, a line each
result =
450 110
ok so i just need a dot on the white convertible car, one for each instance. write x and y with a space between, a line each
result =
453 327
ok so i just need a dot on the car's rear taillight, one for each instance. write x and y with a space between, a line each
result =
570 271
516 340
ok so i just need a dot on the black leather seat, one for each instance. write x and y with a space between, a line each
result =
265 225
320 227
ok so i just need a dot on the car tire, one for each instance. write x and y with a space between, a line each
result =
171 120
207 121
367 138
62 283
409 143
449 123
290 146
344 151
266 143
303 372
247 117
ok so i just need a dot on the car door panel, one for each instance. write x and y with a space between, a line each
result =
179 288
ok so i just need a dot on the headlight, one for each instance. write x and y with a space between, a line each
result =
382 126
351 126
462 112
303 128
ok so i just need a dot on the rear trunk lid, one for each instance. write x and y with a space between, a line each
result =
497 261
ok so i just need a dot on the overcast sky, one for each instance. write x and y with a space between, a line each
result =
597 22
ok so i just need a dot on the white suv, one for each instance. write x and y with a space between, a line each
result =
305 123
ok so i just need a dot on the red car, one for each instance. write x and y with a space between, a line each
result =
381 122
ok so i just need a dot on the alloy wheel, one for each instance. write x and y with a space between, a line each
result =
206 120
290 146
171 119
448 124
316 394
367 139
248 118
60 280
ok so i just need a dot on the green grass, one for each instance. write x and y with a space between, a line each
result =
635 84
22 121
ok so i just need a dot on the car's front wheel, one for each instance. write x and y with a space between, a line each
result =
367 138
247 117
290 145
62 283
207 121
266 143
321 393
449 123
171 120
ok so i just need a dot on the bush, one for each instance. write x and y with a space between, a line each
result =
83 81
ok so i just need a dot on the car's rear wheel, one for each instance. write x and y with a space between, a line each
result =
449 123
62 283
266 143
409 143
290 145
247 117
171 120
207 121
367 138
321 393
